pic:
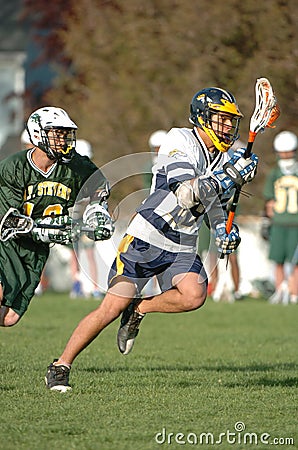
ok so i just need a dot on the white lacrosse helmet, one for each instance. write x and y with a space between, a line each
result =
55 119
25 138
285 141
84 148
157 138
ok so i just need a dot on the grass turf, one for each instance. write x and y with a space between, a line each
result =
191 373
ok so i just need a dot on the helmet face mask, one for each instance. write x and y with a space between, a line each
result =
216 112
52 130
60 142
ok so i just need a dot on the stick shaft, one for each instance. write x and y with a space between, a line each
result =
62 227
251 139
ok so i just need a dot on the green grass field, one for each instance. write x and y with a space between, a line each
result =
213 371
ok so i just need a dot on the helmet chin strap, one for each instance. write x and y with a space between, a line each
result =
55 155
219 144
209 142
217 141
49 152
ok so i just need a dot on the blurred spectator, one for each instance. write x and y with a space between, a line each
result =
207 249
281 207
207 244
155 141
25 140
84 244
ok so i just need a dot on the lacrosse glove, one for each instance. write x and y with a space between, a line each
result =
237 171
227 242
97 217
60 233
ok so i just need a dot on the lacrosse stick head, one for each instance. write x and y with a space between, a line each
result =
266 110
13 224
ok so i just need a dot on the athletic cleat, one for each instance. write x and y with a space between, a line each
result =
57 378
129 328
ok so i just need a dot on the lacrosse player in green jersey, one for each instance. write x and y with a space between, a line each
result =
42 183
281 206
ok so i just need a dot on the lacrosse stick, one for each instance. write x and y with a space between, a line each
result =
266 112
13 223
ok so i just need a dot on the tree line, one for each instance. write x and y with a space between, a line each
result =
127 68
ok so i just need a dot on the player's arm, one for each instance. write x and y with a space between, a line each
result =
53 230
205 188
12 188
207 192
96 215
91 203
56 229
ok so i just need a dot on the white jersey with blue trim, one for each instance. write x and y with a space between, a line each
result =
159 219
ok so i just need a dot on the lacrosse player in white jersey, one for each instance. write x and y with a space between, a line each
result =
193 177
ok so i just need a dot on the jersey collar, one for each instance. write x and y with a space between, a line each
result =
211 159
34 166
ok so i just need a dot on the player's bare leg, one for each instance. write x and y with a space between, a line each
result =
57 376
114 302
8 317
189 294
281 286
293 286
279 275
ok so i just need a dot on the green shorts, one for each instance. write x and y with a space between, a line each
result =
21 264
283 241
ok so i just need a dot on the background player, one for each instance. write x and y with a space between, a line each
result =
281 207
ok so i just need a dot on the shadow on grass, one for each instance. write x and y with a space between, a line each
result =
7 388
268 375
189 368
267 382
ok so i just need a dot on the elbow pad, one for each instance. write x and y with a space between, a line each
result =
204 190
185 195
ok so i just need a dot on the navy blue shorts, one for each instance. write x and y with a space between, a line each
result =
139 261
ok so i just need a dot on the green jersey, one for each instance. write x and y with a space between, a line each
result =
284 190
35 193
